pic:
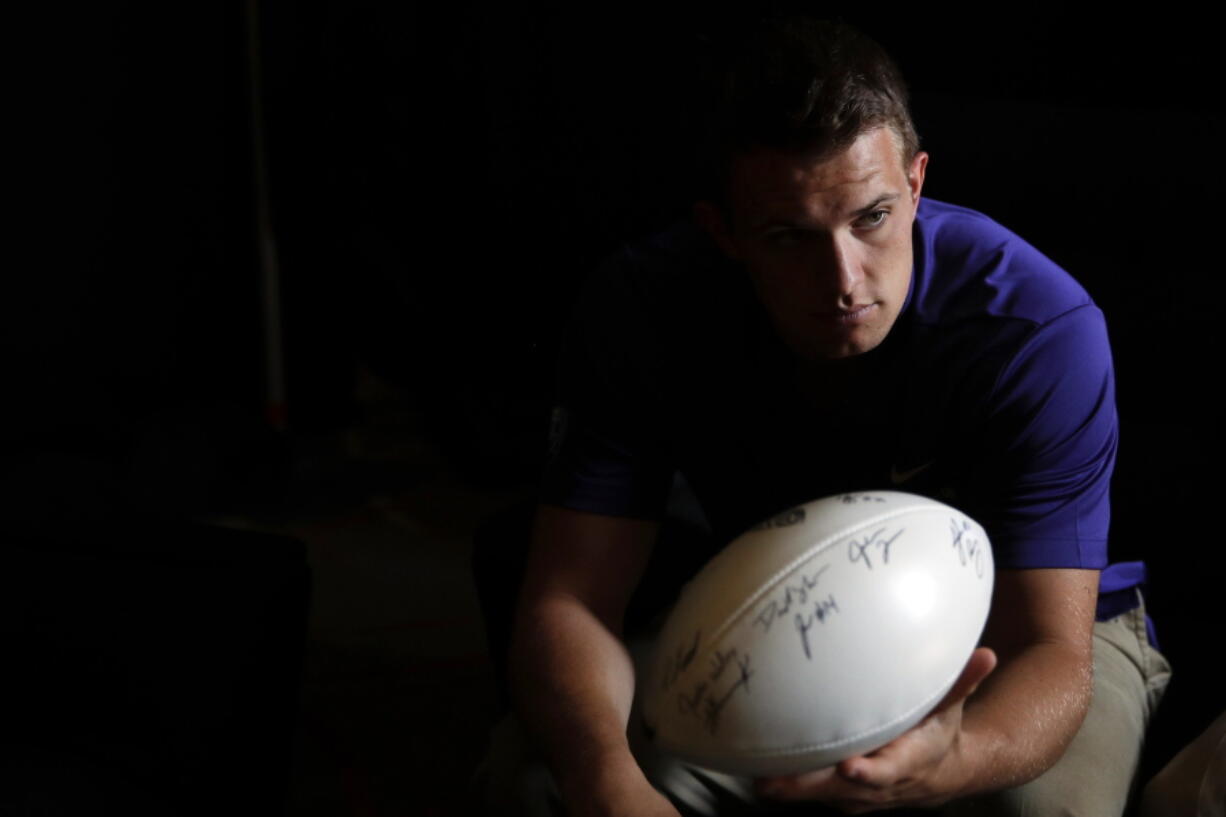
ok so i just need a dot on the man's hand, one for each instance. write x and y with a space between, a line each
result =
922 767
1019 721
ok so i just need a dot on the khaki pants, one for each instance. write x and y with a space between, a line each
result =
1094 778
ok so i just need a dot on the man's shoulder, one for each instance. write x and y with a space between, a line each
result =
662 301
674 274
968 266
666 258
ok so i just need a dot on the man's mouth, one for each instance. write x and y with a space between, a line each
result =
848 317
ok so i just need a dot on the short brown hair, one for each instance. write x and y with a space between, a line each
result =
807 85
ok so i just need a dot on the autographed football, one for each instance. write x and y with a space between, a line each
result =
821 633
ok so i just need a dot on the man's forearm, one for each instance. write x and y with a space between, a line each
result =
573 684
1024 716
572 678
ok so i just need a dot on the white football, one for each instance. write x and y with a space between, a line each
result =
822 633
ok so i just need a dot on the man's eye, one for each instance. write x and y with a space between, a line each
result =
872 220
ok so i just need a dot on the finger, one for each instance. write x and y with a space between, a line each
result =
796 787
897 761
833 789
888 766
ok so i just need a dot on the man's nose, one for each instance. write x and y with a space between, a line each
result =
842 269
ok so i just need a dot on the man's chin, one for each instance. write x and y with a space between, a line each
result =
841 349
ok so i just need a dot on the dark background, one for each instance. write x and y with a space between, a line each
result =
442 177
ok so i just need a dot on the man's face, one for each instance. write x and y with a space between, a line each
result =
827 242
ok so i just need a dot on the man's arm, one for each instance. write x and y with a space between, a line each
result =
572 678
1027 713
1012 727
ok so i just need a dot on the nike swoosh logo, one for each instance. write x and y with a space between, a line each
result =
899 477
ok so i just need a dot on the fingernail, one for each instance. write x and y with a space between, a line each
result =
853 773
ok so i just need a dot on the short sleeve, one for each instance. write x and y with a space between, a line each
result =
608 453
1052 422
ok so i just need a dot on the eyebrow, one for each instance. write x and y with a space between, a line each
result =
863 211
875 203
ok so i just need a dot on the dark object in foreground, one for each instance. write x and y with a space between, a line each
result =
150 670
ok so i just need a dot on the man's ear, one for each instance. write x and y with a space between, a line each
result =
915 175
711 218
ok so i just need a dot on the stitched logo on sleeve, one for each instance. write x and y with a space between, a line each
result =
899 476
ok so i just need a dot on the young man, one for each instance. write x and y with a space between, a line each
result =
822 328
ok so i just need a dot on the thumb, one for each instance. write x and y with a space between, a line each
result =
982 662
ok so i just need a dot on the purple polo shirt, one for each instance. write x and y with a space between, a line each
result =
993 392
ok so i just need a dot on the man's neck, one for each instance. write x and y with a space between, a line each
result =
824 381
